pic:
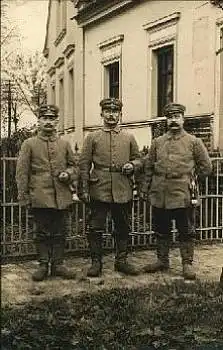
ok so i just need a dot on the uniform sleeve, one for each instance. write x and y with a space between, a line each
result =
202 160
135 155
72 164
85 162
23 173
148 168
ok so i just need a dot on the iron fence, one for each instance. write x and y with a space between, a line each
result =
17 234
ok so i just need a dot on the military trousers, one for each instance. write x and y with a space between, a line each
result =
49 224
162 222
120 213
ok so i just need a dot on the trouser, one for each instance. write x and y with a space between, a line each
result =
162 223
97 220
50 234
162 227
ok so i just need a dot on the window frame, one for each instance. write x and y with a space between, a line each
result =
161 95
107 82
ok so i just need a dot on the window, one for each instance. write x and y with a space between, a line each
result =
164 77
53 95
71 97
112 72
61 104
162 35
111 58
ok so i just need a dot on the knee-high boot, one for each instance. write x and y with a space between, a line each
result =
95 246
187 255
42 248
162 249
121 263
58 267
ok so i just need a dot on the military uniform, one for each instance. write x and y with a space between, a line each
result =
103 156
168 168
41 160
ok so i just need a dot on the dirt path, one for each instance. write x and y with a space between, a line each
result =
18 288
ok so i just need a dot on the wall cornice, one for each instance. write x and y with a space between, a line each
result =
92 11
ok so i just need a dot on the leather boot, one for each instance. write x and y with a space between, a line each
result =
57 263
121 263
162 263
187 255
41 273
95 245
43 251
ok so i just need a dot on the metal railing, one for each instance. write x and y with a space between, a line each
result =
17 234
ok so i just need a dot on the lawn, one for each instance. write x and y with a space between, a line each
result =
171 316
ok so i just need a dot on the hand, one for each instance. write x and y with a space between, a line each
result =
128 169
85 197
63 176
143 196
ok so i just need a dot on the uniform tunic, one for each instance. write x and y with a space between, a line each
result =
40 161
168 168
106 149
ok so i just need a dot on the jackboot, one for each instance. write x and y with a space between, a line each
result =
121 263
187 255
58 268
43 251
162 263
95 245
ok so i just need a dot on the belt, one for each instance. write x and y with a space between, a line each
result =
109 169
171 176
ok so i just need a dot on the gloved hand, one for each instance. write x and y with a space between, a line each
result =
85 197
128 169
63 177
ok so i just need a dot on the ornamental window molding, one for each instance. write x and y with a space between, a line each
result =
60 37
111 49
59 62
51 71
69 50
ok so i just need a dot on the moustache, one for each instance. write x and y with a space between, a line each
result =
111 119
173 124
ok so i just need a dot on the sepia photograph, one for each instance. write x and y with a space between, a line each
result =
111 175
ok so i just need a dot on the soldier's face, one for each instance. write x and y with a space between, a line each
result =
175 121
47 123
111 116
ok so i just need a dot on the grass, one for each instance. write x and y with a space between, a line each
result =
172 316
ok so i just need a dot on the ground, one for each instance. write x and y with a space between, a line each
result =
18 288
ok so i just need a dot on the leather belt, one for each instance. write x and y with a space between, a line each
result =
171 176
109 169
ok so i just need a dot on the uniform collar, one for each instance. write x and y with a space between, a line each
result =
44 137
116 129
176 136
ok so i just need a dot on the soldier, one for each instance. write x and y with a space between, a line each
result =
168 168
45 168
112 154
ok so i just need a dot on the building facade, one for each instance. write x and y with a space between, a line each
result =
147 53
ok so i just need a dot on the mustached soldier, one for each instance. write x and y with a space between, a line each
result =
114 155
45 168
168 168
